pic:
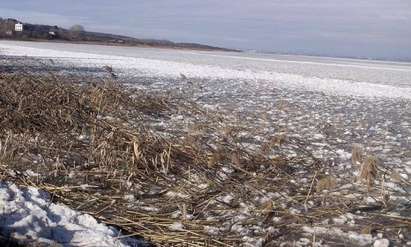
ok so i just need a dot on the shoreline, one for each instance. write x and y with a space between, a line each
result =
176 47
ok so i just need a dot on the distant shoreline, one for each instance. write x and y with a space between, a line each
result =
176 47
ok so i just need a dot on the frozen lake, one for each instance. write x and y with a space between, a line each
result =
313 73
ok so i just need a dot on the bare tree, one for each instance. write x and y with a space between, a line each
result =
77 28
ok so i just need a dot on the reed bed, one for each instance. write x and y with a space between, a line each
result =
96 147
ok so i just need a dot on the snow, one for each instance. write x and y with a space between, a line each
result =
355 238
30 173
26 214
343 154
176 226
226 199
381 243
259 76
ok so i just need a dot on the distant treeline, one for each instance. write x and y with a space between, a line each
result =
47 32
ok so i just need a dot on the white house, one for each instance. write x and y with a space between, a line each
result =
18 27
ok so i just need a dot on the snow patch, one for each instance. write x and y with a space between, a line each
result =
355 238
26 214
381 243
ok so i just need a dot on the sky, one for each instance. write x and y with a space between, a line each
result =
349 28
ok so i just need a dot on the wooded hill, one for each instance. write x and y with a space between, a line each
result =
47 32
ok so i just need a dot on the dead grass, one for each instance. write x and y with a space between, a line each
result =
97 150
368 171
357 154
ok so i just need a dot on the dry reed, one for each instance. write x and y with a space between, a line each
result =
97 149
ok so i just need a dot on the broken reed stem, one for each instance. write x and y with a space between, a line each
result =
310 190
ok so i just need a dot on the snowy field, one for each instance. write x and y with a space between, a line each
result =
329 103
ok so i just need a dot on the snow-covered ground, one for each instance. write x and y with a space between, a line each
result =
340 77
324 104
27 215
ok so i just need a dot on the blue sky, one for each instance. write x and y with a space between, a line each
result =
356 28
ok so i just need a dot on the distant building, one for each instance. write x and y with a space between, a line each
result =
18 27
